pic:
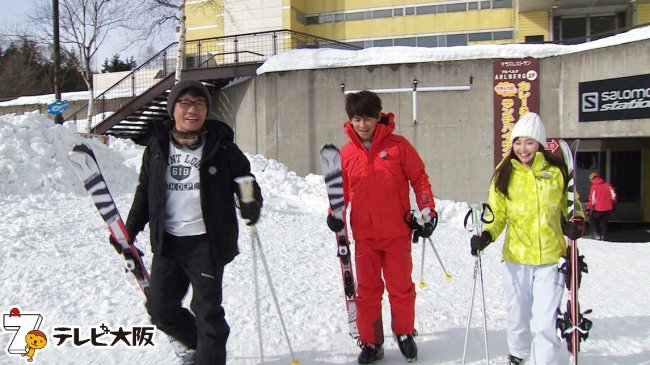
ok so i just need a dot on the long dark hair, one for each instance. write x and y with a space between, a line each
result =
503 171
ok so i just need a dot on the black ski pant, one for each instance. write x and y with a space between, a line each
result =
601 221
185 261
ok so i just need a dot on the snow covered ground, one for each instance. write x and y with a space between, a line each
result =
55 260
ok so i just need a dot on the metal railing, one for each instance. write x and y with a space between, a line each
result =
200 54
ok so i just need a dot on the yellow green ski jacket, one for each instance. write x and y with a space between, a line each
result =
537 201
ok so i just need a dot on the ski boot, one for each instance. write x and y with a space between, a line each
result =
407 346
370 352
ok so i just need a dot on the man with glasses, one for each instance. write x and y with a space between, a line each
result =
186 195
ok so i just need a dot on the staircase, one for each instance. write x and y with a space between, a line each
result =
127 108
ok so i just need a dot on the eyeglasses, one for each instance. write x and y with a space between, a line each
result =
199 104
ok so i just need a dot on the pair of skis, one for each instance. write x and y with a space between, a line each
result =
83 161
330 159
572 325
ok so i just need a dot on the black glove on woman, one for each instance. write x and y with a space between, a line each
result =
478 243
574 228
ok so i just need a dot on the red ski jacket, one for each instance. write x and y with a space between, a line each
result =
376 182
602 196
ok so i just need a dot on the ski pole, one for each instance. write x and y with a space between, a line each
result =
246 192
447 273
257 297
478 215
421 283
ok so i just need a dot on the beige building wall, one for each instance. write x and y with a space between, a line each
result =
536 23
252 16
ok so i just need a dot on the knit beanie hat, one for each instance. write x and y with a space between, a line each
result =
529 125
181 88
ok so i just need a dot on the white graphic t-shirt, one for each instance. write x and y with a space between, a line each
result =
183 213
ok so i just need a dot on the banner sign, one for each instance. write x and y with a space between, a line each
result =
615 99
516 92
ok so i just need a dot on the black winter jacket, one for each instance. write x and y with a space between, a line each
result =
222 161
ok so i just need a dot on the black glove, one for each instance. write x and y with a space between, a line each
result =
250 211
479 243
118 248
426 230
574 228
334 224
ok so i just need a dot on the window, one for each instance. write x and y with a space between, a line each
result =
383 43
538 39
405 42
326 18
409 11
358 44
605 25
506 34
579 29
472 6
431 41
486 5
398 12
440 9
573 28
500 4
451 8
339 17
456 40
477 37
311 20
431 9
353 16
382 14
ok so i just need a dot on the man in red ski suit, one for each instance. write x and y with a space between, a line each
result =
377 168
600 204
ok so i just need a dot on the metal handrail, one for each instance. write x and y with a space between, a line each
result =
206 53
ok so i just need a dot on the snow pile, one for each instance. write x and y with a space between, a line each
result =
33 159
289 191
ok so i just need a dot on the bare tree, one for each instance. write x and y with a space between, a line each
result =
174 10
84 26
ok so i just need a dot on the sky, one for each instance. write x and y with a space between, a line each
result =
17 10
55 261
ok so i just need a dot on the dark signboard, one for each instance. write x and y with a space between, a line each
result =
516 92
615 99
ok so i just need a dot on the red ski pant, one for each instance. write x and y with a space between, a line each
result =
393 257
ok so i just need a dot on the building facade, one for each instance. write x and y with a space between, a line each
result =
422 23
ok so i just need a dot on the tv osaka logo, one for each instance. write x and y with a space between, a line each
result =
27 338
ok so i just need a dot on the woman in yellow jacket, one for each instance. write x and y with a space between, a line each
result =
528 194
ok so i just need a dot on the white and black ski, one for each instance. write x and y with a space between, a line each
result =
83 161
572 326
330 159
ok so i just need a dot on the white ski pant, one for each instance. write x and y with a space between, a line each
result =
533 295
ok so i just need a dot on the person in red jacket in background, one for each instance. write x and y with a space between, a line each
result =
602 199
377 169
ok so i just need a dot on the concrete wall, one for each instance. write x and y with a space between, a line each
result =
288 115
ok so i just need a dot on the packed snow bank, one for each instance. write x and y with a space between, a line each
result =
33 159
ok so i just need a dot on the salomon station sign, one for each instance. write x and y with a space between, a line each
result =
615 99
